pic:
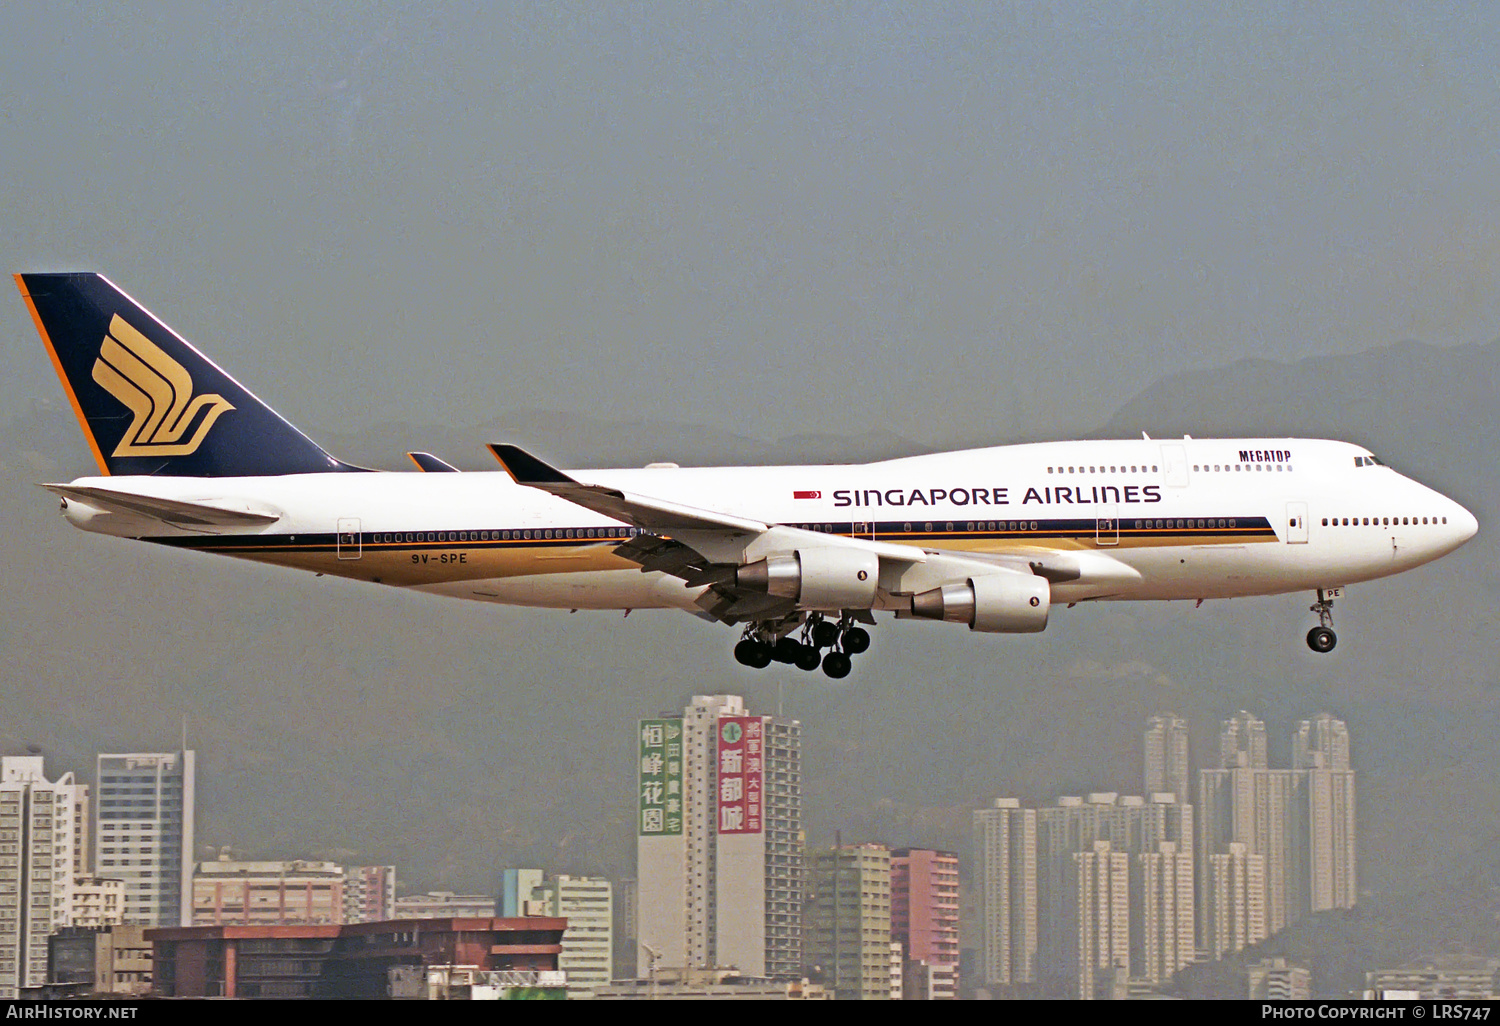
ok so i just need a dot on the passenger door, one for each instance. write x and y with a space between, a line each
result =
1296 523
350 541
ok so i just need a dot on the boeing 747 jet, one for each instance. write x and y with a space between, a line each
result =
798 559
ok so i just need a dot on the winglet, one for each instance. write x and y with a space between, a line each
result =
526 469
430 464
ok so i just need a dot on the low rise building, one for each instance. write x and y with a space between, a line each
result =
719 984
229 892
1441 978
1276 979
112 960
445 905
97 902
353 960
369 894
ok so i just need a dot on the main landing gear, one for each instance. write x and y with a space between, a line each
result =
764 642
1321 639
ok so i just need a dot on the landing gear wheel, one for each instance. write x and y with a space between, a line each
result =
750 652
856 640
810 659
824 634
1321 639
837 665
786 650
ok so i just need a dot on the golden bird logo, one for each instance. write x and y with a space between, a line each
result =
157 390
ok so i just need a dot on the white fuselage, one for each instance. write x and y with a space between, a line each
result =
1149 519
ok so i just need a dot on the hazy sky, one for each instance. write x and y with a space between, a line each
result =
936 220
978 221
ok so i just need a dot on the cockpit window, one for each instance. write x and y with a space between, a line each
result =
1367 461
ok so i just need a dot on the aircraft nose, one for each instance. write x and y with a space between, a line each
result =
1465 522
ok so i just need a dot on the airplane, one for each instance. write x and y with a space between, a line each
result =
799 558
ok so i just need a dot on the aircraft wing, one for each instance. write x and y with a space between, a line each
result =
193 516
700 546
641 511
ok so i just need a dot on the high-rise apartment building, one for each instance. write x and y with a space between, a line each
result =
1242 742
1098 911
719 840
587 903
39 858
1324 736
1005 868
1162 921
847 931
1234 899
1130 826
1301 821
1082 895
145 833
1320 750
924 918
1166 757
1258 808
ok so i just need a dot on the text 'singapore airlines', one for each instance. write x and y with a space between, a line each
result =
798 559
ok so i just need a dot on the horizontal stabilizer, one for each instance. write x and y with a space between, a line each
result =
198 515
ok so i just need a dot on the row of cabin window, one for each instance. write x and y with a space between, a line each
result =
1381 522
1225 468
993 525
1100 470
615 533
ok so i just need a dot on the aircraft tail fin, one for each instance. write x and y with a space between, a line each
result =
148 401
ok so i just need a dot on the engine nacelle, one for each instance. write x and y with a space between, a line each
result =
824 579
996 603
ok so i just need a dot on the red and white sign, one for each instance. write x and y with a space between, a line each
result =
807 495
741 774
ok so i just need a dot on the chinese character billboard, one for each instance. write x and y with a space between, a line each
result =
661 778
741 774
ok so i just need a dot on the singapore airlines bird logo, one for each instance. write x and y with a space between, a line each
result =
157 390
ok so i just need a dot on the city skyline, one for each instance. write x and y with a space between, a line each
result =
1109 891
1305 727
1102 891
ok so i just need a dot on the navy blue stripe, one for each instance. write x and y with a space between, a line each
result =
1245 527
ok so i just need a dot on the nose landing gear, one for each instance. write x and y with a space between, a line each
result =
1321 639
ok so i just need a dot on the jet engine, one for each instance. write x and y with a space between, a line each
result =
823 579
996 603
